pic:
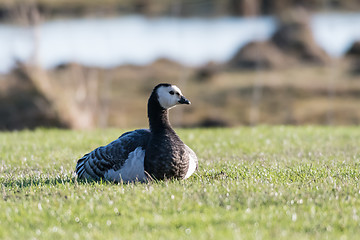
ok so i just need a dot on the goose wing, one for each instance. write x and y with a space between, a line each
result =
193 161
94 165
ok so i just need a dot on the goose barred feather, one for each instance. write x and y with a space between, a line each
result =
95 164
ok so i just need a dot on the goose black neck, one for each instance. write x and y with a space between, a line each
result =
158 116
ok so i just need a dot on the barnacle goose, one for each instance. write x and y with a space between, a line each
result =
143 154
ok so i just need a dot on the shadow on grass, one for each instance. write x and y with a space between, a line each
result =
32 181
38 181
12 182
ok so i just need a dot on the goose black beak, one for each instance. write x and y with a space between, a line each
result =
183 100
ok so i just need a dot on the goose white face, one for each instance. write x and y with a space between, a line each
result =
169 96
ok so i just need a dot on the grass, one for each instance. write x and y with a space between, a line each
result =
253 183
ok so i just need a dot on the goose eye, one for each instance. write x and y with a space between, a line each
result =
171 92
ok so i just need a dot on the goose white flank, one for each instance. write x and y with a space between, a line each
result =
143 154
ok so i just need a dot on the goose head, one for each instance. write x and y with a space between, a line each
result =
169 96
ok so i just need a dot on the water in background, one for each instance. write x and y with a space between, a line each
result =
138 40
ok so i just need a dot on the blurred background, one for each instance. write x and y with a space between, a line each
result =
85 64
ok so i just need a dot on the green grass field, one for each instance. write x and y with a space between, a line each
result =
252 183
